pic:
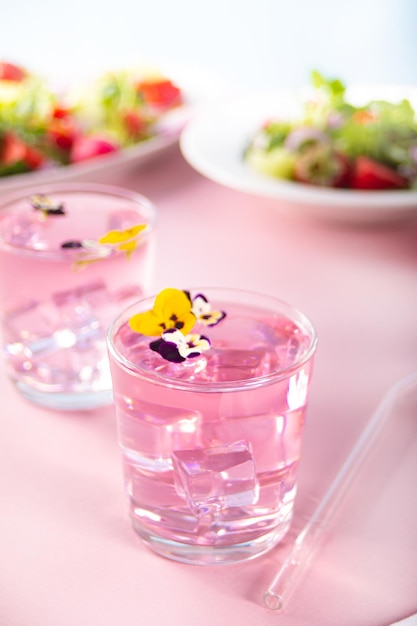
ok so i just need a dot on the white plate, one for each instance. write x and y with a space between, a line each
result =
214 142
199 87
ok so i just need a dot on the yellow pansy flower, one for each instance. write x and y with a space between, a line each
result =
125 240
172 309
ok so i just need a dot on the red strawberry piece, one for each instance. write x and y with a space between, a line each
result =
61 112
13 150
89 147
62 131
162 93
135 123
9 71
370 174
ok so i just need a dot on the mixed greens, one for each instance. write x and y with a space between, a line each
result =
40 127
334 143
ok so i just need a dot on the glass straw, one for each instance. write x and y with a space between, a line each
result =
283 583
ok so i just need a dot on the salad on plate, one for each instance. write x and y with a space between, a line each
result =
41 127
336 143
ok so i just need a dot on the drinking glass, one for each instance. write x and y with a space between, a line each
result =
70 256
210 391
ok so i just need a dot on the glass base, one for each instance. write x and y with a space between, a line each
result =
211 555
71 401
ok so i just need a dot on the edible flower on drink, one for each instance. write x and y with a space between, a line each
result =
88 251
126 240
95 250
172 309
176 347
41 202
172 319
204 314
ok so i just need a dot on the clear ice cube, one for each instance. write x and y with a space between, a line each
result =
148 433
263 432
65 333
215 478
275 439
243 333
242 349
254 347
24 230
29 331
76 317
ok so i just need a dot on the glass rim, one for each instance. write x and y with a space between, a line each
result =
74 187
294 314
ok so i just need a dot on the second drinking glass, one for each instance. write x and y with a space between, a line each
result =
70 256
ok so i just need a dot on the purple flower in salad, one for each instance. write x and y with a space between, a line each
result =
303 137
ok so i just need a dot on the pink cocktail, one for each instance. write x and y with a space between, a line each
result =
210 424
70 256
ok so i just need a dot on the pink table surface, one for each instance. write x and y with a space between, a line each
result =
68 554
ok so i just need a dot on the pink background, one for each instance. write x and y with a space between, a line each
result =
68 554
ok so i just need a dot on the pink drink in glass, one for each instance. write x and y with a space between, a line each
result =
211 446
59 287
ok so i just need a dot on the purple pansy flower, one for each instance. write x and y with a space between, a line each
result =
202 310
176 347
43 203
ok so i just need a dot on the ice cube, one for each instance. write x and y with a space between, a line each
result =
243 333
215 478
148 432
242 364
242 349
29 331
83 312
72 317
72 370
24 230
275 438
260 346
92 303
34 343
65 320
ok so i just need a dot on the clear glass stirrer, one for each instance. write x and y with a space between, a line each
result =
281 586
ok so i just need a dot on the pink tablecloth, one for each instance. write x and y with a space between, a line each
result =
68 554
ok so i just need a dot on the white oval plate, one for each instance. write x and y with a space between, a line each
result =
199 87
214 142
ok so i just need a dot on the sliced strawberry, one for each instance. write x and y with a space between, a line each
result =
135 123
33 158
370 174
13 150
89 147
322 166
60 112
9 71
62 132
162 93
